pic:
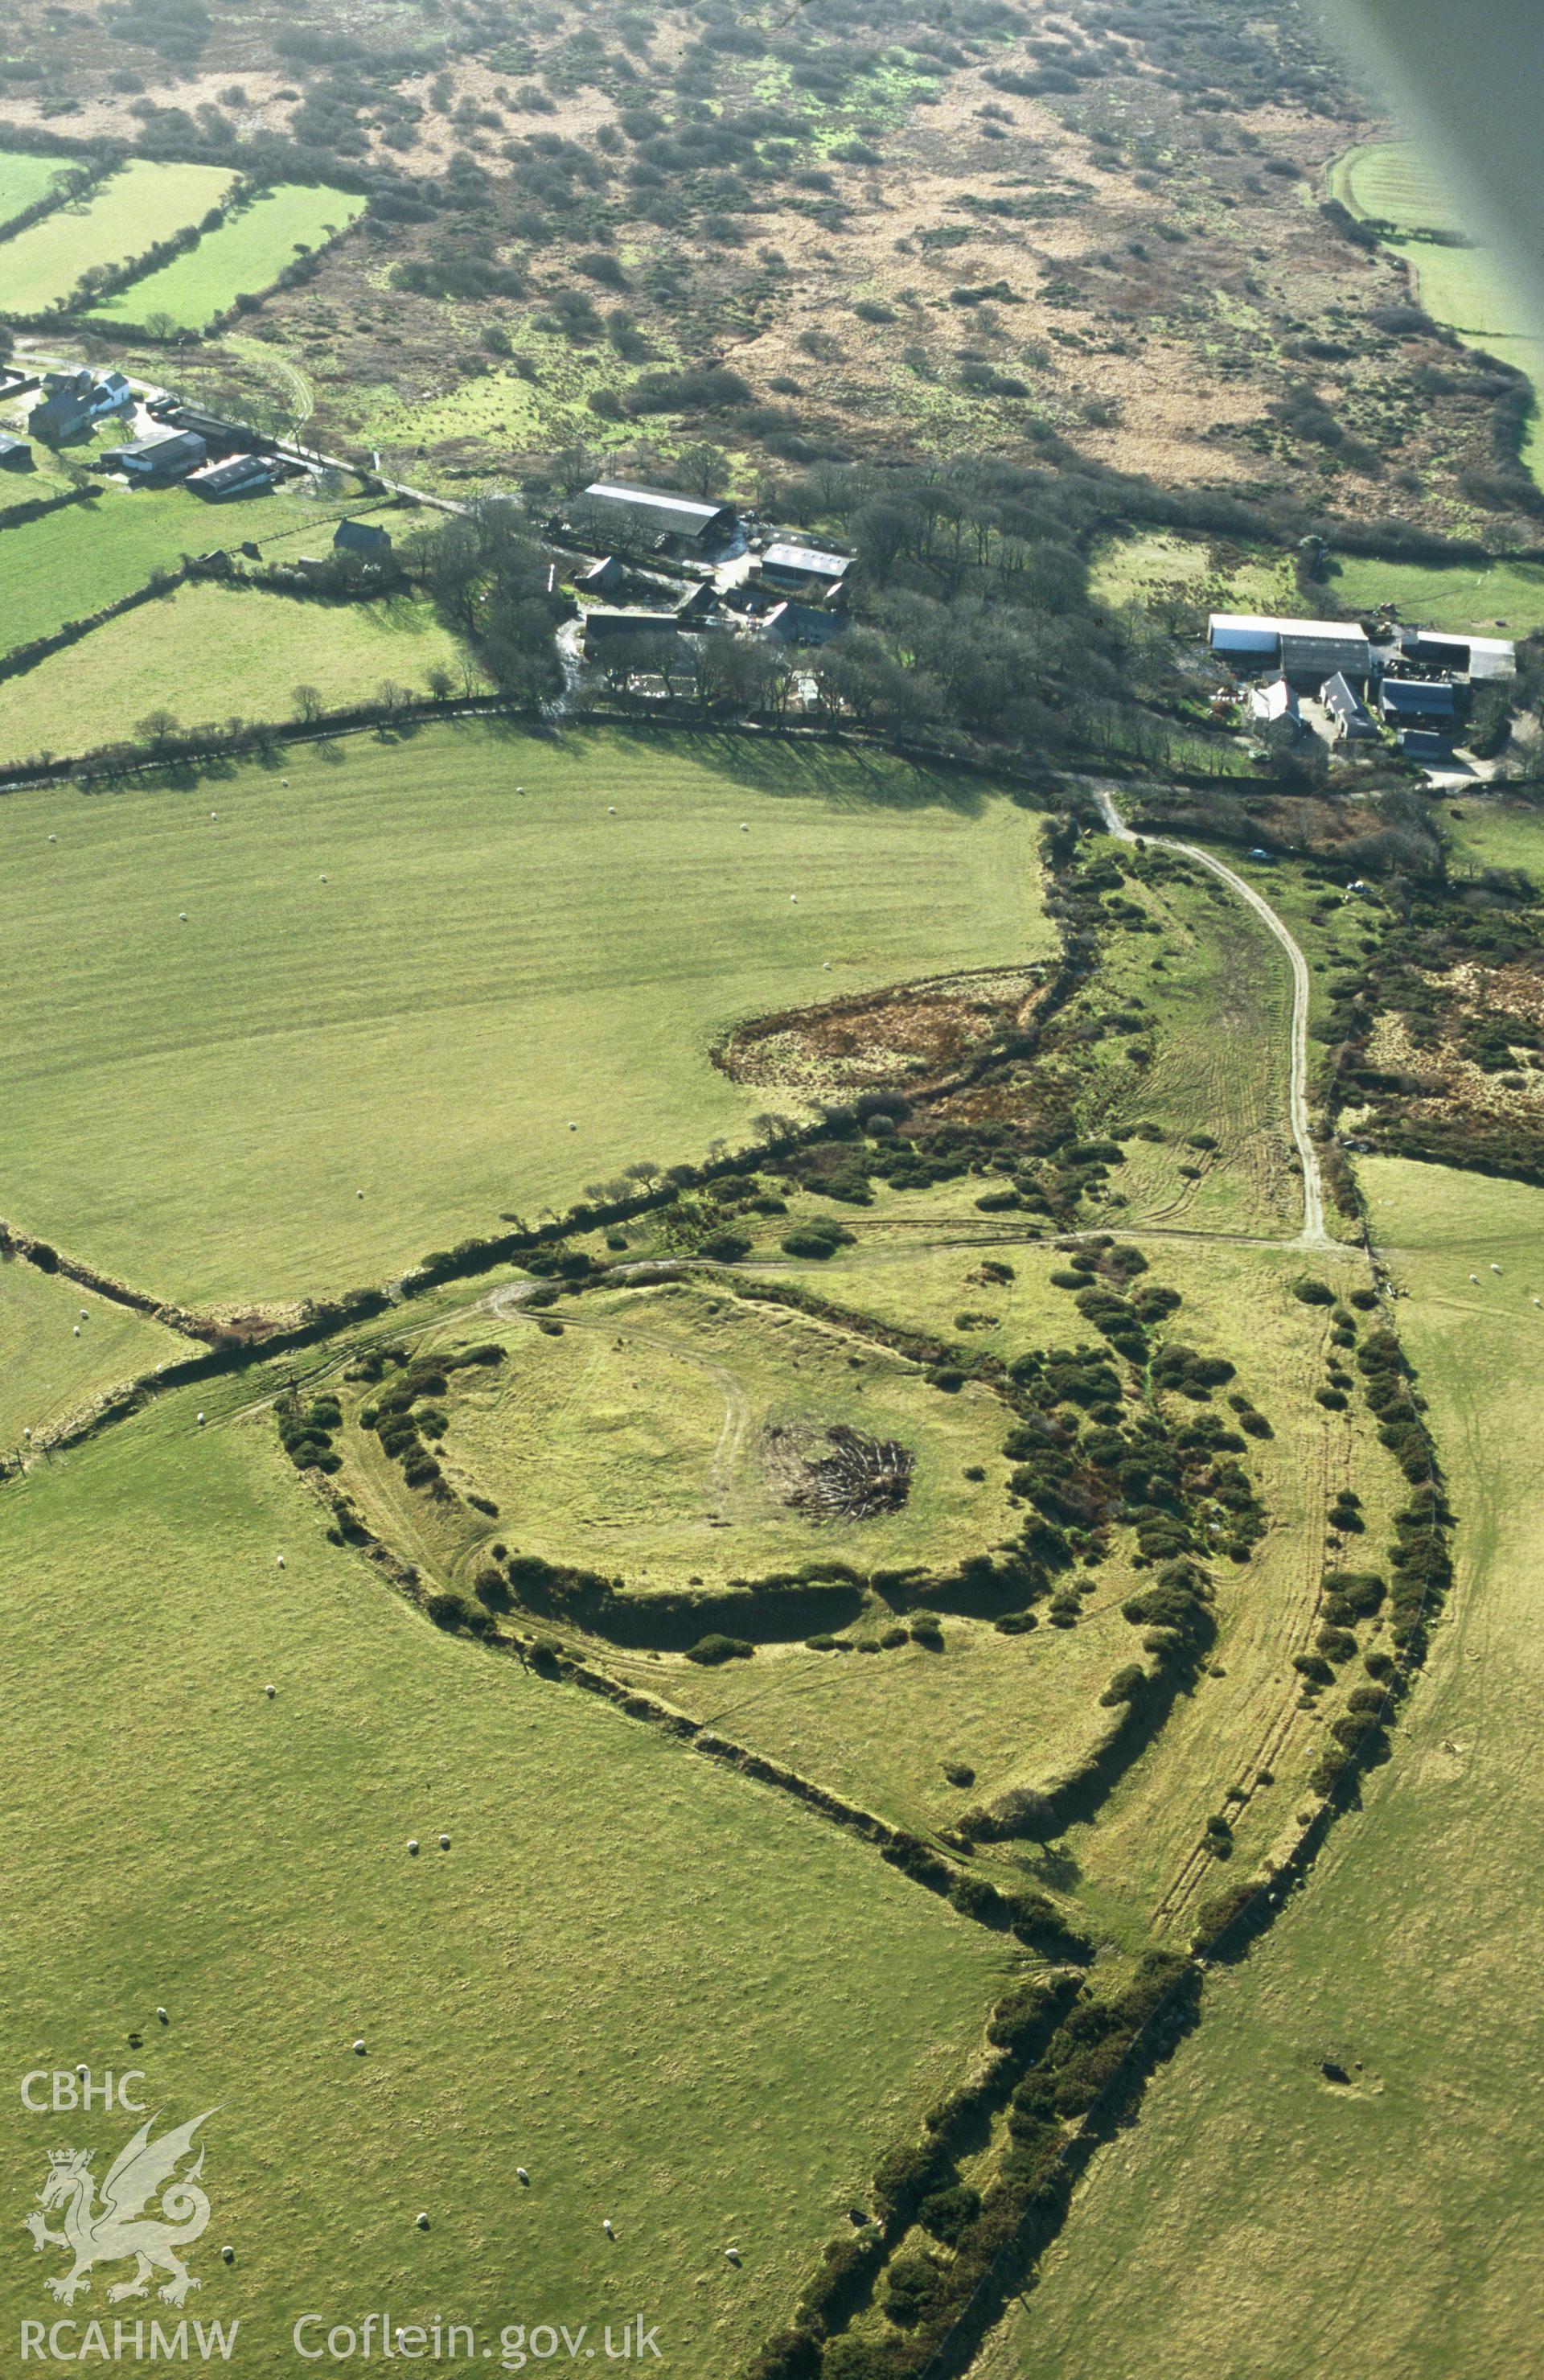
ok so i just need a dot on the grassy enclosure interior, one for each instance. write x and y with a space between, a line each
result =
24 180
198 1105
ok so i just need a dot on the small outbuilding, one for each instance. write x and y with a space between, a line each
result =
1423 744
237 475
365 539
603 577
16 453
603 628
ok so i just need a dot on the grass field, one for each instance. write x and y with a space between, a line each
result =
1496 833
24 180
1155 564
71 563
1505 595
1263 2220
196 1106
208 653
46 1373
247 253
1465 287
133 208
679 2001
1220 1006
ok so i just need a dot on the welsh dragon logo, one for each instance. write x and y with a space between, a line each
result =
118 2226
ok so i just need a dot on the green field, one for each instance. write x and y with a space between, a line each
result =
1494 832
1156 566
196 1106
47 1373
24 180
1262 2220
681 2001
208 652
72 563
1464 287
248 252
129 213
1503 596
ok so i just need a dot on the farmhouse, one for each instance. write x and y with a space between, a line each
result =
800 566
1353 722
238 475
659 517
72 401
156 461
1273 710
16 454
362 537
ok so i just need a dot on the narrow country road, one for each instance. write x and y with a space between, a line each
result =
1314 1233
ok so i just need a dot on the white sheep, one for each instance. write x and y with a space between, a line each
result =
412 1846
606 2226
324 879
359 1194
794 897
78 1330
423 2222
744 827
1475 1278
1495 1268
281 1560
227 2254
521 2175
611 809
85 1314
182 916
284 780
732 2255
359 2048
53 838
270 1692
200 1421
444 1842
161 2014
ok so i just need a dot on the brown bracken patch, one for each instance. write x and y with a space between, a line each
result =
915 1032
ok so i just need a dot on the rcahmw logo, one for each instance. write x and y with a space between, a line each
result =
144 2211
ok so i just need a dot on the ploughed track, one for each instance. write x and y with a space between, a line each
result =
1313 1235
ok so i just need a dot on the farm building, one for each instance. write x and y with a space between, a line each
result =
1423 744
603 628
1273 710
237 475
221 437
155 461
1418 702
1305 651
1471 657
16 454
803 623
656 515
1353 722
602 577
805 566
1308 660
695 609
362 537
72 401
